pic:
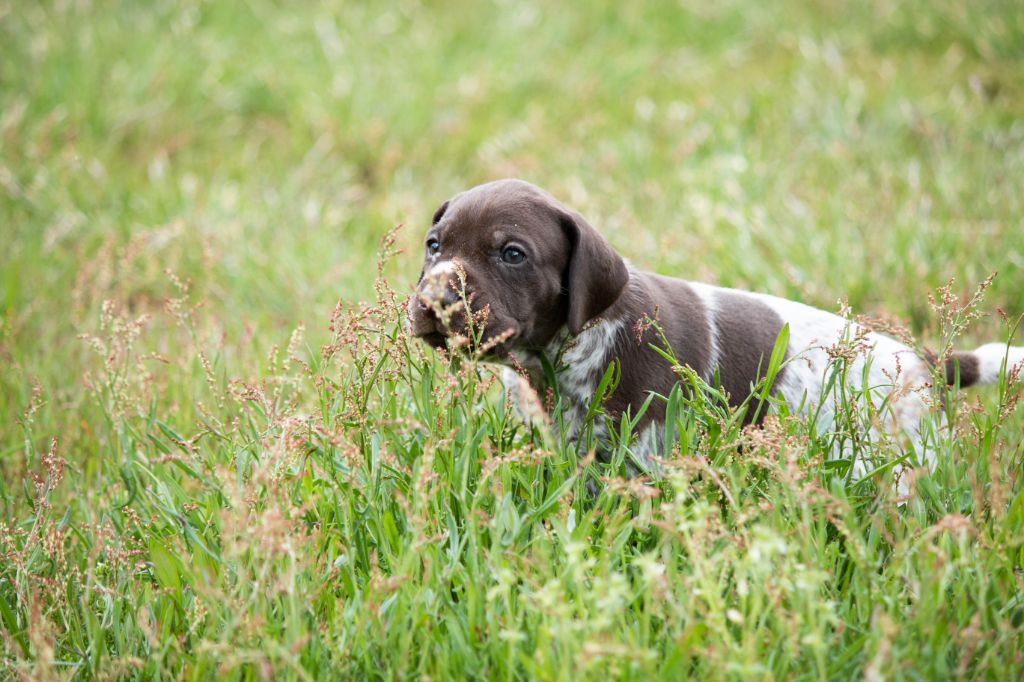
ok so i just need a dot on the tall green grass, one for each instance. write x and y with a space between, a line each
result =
211 466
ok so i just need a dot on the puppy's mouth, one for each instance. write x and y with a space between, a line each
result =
435 340
492 341
489 346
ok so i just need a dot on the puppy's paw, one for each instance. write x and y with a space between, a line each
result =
524 399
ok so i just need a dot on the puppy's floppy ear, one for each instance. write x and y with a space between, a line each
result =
596 274
439 213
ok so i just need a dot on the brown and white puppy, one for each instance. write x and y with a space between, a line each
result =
552 285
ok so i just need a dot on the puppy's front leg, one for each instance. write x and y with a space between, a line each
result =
524 398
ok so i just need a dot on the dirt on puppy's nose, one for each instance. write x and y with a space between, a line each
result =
441 290
445 295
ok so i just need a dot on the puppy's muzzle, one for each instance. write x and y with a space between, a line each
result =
434 308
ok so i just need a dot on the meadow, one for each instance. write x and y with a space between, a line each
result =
220 455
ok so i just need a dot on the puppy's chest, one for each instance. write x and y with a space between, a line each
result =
579 364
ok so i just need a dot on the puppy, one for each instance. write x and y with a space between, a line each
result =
539 280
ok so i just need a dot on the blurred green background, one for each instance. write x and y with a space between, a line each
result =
259 150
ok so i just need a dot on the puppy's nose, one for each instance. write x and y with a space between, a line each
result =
440 293
450 296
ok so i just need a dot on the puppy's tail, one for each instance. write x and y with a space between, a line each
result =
982 365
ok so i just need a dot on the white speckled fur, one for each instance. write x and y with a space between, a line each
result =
584 357
811 333
581 362
892 369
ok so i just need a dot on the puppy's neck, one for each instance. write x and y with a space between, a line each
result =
580 361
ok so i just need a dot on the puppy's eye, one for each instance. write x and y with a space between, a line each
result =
513 255
433 246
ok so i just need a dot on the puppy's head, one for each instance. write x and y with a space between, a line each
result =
525 264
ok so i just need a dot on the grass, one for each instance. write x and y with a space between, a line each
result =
210 466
